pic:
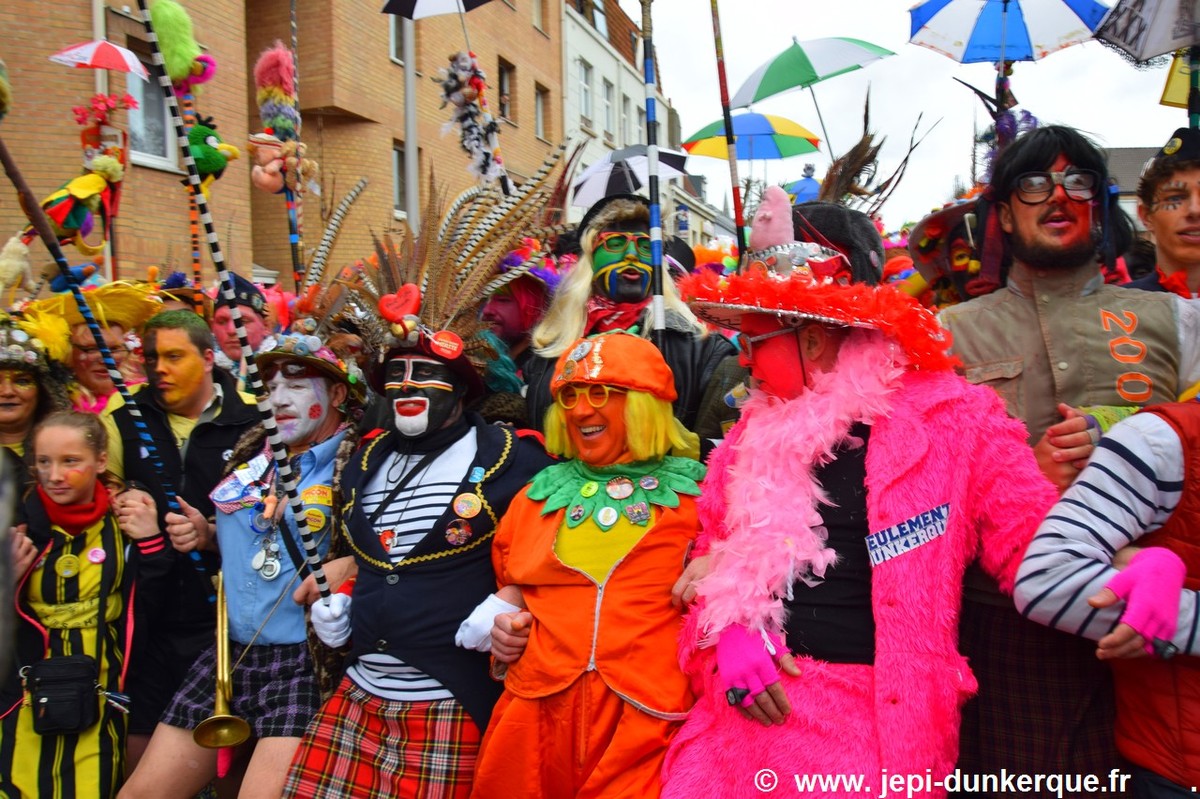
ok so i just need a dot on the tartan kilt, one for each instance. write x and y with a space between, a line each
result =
1045 703
273 690
360 745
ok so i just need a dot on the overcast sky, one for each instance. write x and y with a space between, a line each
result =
1086 86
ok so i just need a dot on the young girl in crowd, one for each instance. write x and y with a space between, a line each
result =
62 713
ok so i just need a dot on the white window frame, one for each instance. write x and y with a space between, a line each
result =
541 95
609 100
139 89
396 40
398 187
585 92
626 115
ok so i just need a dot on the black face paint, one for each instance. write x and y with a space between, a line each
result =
424 394
1169 196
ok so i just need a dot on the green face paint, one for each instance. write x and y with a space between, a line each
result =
614 247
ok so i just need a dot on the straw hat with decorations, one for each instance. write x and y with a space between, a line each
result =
126 304
303 346
425 292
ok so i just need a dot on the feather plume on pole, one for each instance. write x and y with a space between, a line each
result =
316 267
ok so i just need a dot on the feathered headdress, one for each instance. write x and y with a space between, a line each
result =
426 291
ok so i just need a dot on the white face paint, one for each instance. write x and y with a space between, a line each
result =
301 406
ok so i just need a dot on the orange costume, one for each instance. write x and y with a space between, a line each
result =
590 706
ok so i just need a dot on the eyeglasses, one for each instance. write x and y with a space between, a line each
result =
748 342
597 395
289 369
92 352
617 243
1034 188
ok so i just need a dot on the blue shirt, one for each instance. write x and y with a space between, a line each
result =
250 598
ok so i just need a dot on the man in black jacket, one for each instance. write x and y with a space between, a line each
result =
609 289
194 415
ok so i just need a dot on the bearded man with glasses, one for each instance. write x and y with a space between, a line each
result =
1054 339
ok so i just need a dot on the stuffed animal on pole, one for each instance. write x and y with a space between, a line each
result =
463 87
278 152
212 153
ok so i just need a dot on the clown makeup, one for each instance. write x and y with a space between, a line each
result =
597 432
503 313
424 394
303 408
178 372
621 265
1174 219
67 465
1056 233
18 401
86 361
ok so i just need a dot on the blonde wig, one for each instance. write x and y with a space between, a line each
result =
651 430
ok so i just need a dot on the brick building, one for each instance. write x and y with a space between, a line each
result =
351 70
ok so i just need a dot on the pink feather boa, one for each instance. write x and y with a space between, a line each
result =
764 517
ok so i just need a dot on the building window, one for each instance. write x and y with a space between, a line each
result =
541 108
609 111
641 128
396 39
398 185
505 82
599 21
593 12
539 14
626 120
151 129
585 93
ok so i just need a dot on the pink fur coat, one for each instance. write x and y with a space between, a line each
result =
942 449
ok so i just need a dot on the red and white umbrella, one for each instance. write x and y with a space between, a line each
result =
101 54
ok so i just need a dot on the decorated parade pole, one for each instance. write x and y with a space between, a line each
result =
266 411
656 234
296 203
739 215
37 218
1193 101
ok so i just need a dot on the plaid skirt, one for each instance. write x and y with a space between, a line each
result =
273 688
362 746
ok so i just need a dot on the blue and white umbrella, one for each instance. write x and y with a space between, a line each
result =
971 31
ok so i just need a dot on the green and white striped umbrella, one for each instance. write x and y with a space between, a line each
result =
804 63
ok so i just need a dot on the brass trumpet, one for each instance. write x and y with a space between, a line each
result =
222 728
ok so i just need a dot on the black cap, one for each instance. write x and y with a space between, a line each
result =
1184 145
245 294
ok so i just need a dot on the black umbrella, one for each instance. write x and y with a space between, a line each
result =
418 9
623 171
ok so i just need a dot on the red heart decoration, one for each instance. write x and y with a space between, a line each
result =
405 302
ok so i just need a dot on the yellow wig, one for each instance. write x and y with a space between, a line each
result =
651 429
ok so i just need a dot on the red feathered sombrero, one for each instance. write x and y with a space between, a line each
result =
797 296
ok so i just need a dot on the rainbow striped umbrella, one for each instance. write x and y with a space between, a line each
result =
759 137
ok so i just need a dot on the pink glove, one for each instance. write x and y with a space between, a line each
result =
1151 586
745 665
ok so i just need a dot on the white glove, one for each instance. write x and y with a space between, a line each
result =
331 622
476 632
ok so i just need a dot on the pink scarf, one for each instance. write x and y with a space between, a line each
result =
764 509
